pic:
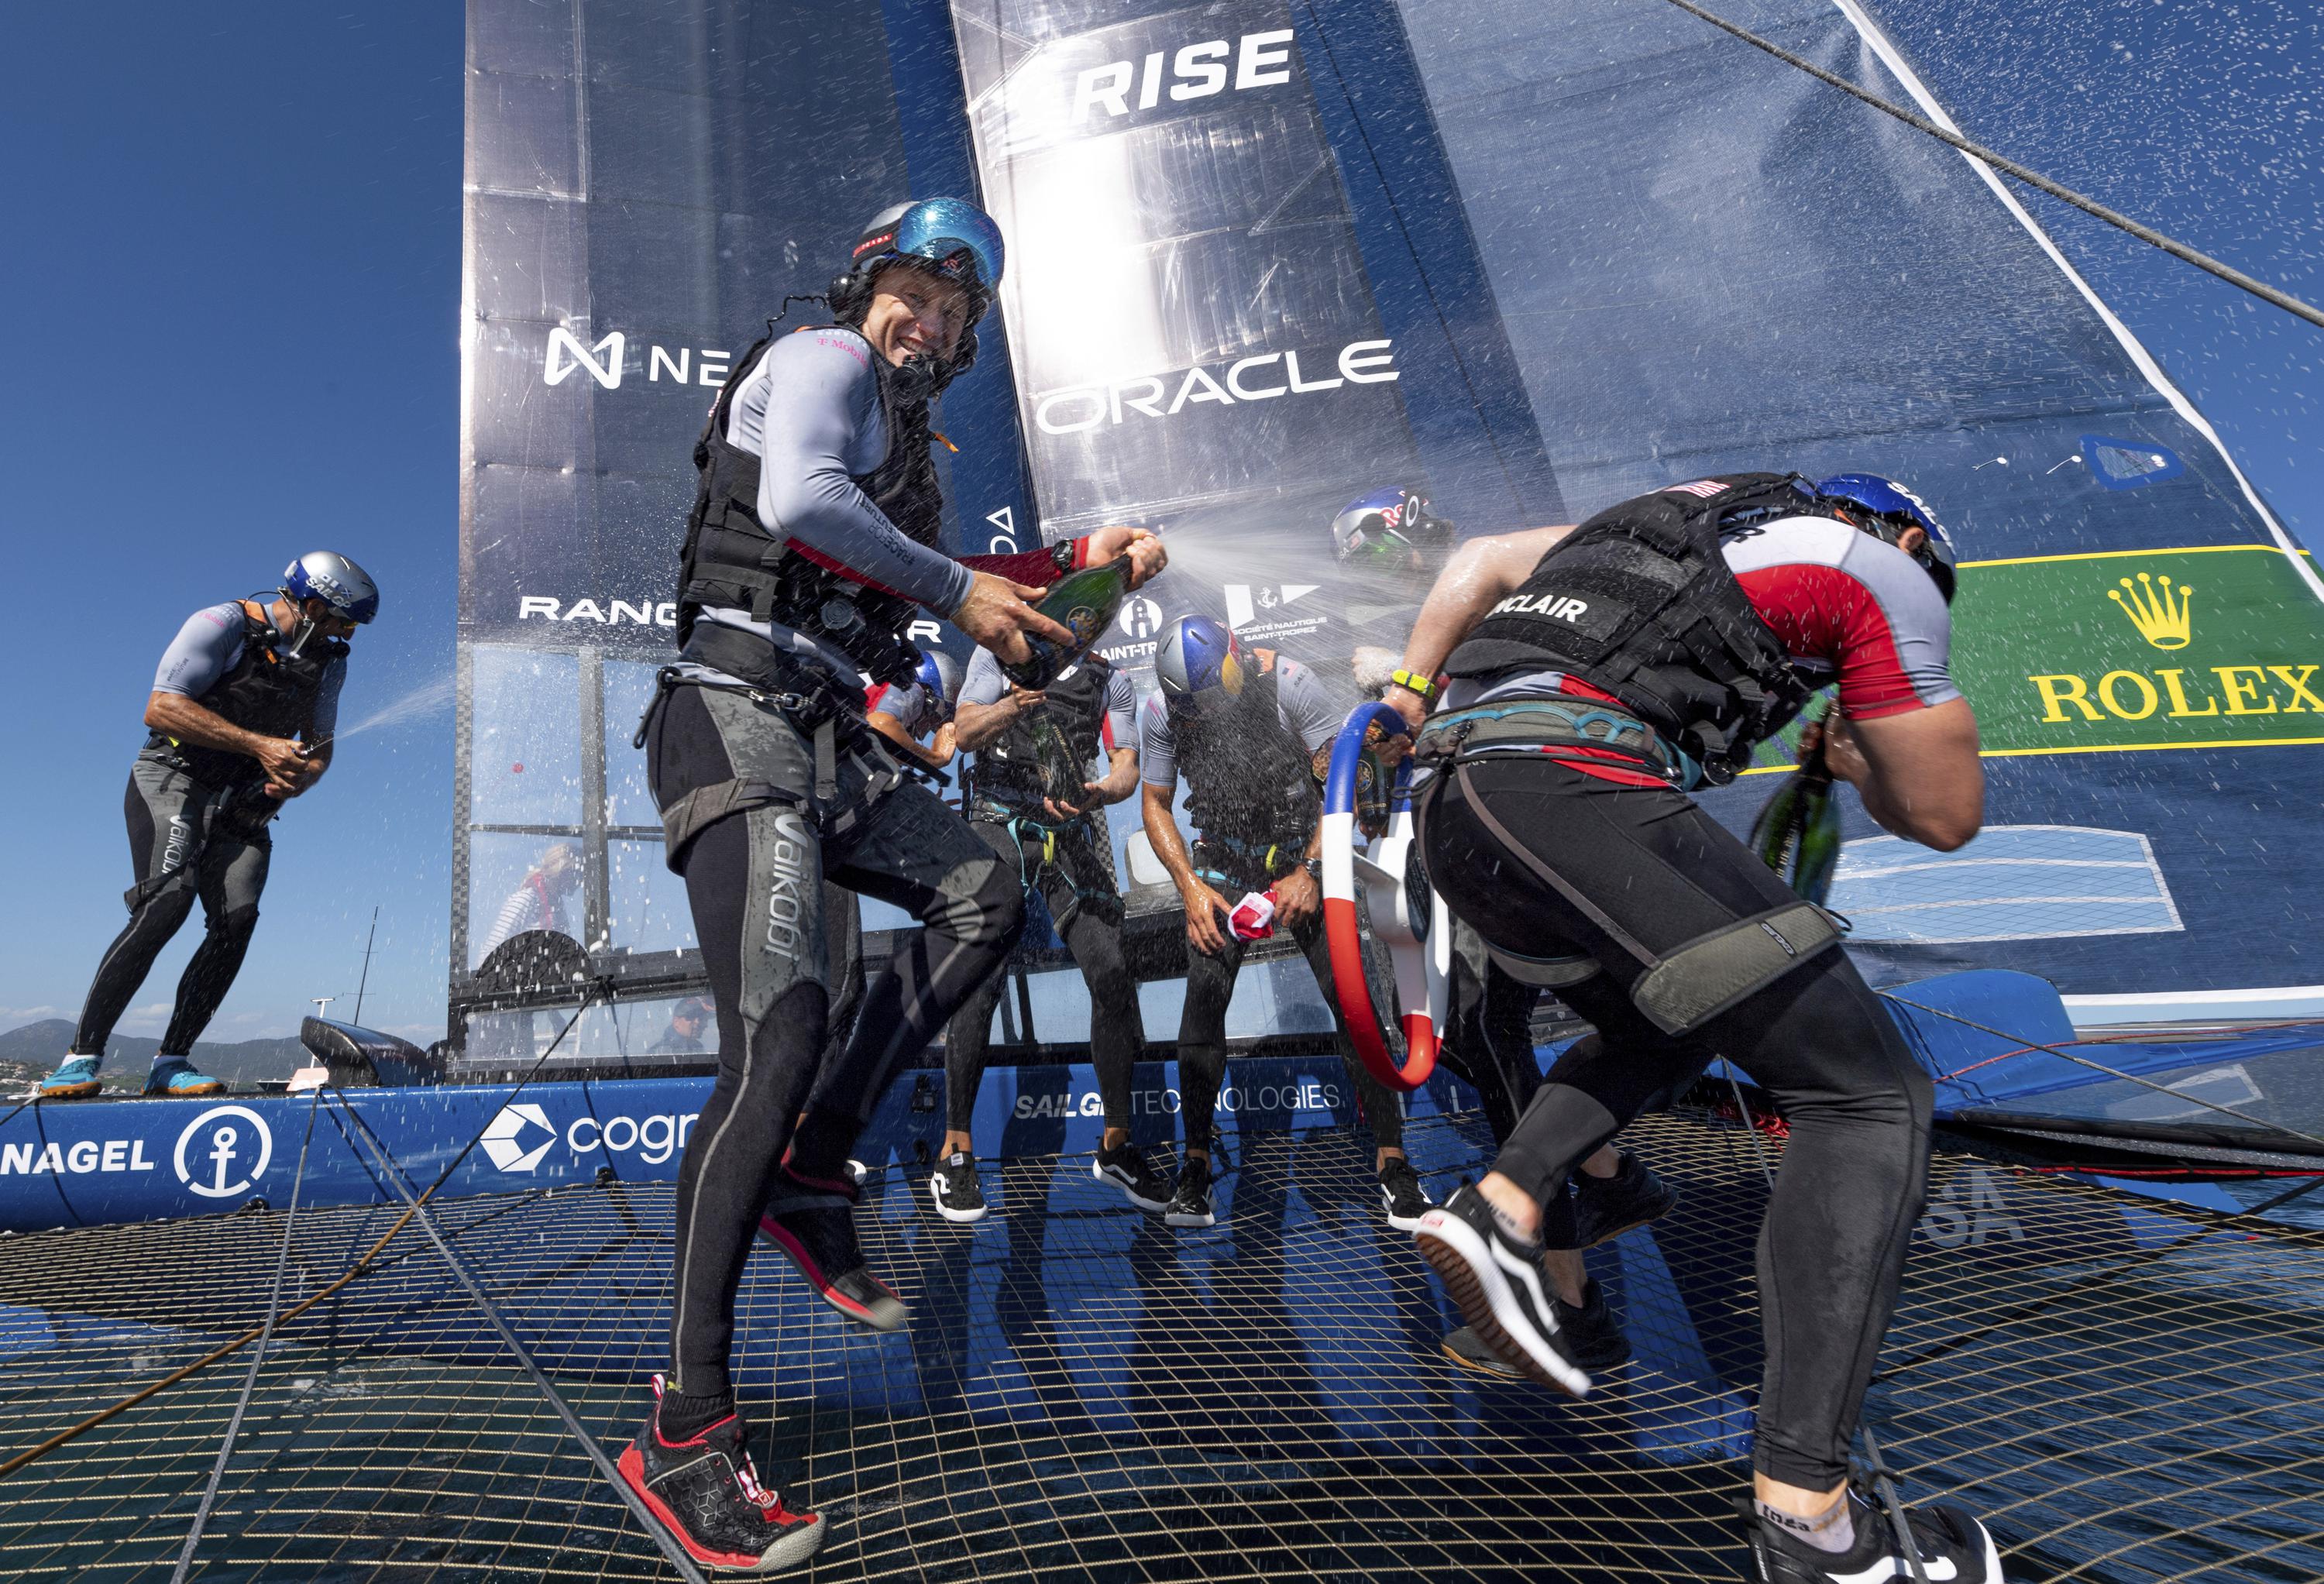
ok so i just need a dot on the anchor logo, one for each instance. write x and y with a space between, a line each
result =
221 1151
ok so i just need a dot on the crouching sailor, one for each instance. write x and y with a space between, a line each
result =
811 546
1596 671
241 714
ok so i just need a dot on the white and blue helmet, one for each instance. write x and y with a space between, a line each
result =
329 577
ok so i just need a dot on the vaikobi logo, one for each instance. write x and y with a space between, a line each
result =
2164 649
509 1138
222 1152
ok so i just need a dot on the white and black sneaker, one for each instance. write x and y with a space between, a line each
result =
1497 1281
959 1196
1190 1204
1403 1196
1127 1169
1954 1547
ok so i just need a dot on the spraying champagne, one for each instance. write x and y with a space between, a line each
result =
1797 831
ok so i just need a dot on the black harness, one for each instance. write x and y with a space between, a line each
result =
1008 770
1639 601
1250 785
268 691
730 558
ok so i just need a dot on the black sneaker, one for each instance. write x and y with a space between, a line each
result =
1607 1207
1954 1547
1127 1169
704 1490
816 1233
1190 1203
1466 1349
1588 1329
1401 1192
1497 1281
1598 1343
959 1196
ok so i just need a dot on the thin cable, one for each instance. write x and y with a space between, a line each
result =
2178 1094
74 1432
250 1379
2008 166
392 1170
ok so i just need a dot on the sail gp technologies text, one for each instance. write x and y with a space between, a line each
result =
1260 377
1299 1094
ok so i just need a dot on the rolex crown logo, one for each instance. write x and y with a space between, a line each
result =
2162 616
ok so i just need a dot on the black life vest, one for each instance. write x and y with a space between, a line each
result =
1007 769
1638 601
731 559
267 690
1249 779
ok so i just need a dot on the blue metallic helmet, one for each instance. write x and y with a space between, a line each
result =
1202 665
329 577
950 238
939 673
1892 509
1391 529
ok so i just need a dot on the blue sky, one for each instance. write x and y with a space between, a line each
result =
233 271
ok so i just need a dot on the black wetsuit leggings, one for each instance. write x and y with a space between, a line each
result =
187 840
754 882
1817 1040
1203 1036
1076 881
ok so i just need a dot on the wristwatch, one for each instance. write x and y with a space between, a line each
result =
1424 688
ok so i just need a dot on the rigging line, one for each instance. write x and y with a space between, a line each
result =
257 1358
392 1170
2178 1094
362 1263
2008 166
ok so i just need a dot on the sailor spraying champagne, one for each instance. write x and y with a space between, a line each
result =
1597 672
811 549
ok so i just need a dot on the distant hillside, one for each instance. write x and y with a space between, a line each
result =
37 1047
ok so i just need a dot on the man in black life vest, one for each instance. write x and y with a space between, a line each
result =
810 549
1249 730
1029 798
1596 672
240 717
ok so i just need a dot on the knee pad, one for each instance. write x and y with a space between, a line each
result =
991 912
237 922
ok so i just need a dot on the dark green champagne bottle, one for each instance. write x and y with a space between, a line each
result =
1061 778
1797 831
1082 602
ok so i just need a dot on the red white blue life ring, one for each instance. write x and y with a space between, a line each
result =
1420 946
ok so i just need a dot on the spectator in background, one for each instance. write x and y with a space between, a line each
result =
538 901
683 1037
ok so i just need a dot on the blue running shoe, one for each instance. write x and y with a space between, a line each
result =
74 1079
174 1076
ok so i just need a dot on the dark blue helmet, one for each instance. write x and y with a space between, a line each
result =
1892 509
939 673
949 237
1201 664
1390 528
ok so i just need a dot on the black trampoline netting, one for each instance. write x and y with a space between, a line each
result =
2127 1388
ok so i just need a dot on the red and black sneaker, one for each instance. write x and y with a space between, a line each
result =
815 1227
705 1491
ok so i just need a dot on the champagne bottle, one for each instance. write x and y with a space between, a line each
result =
1061 778
1082 602
1797 831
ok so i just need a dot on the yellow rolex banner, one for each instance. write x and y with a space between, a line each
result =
2140 650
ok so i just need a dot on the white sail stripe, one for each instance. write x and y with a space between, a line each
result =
1846 873
2015 902
2144 359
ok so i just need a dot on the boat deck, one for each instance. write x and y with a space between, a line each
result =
2129 1389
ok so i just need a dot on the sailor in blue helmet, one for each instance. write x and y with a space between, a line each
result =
240 720
1595 674
1251 731
811 549
916 717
